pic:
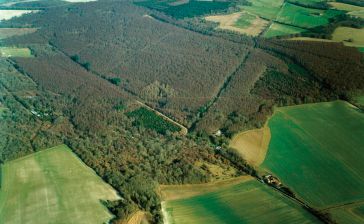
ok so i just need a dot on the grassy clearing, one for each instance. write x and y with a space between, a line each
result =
349 36
359 100
175 192
246 202
52 186
8 14
277 29
252 145
241 22
7 52
351 9
316 150
266 9
10 32
305 17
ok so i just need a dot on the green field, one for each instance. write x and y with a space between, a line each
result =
305 17
317 150
52 186
349 36
266 9
246 202
15 52
277 29
350 9
351 214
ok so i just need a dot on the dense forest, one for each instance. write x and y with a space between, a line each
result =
93 61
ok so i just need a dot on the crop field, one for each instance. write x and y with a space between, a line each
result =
241 22
266 9
277 29
305 17
15 52
252 145
52 185
350 9
349 214
349 36
316 150
246 202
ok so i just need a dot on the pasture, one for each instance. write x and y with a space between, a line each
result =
7 52
317 150
349 36
252 145
353 10
277 29
52 186
246 202
349 214
266 9
241 22
8 14
305 17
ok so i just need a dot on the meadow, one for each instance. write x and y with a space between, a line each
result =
305 17
8 14
10 32
349 36
15 52
316 150
246 202
55 185
277 29
353 10
264 8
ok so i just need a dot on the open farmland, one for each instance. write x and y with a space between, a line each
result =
241 22
316 150
8 14
252 145
305 17
277 29
246 202
52 185
266 9
353 10
15 52
349 36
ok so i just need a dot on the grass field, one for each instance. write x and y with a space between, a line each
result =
349 36
350 214
15 52
305 17
52 186
266 9
350 9
277 29
241 22
8 14
316 150
252 145
246 202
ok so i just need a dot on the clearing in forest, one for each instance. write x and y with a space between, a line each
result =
241 22
247 201
317 151
7 52
8 14
54 186
349 36
252 144
277 29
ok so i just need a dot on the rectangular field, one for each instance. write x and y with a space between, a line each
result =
317 150
7 52
52 186
277 29
266 9
246 202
